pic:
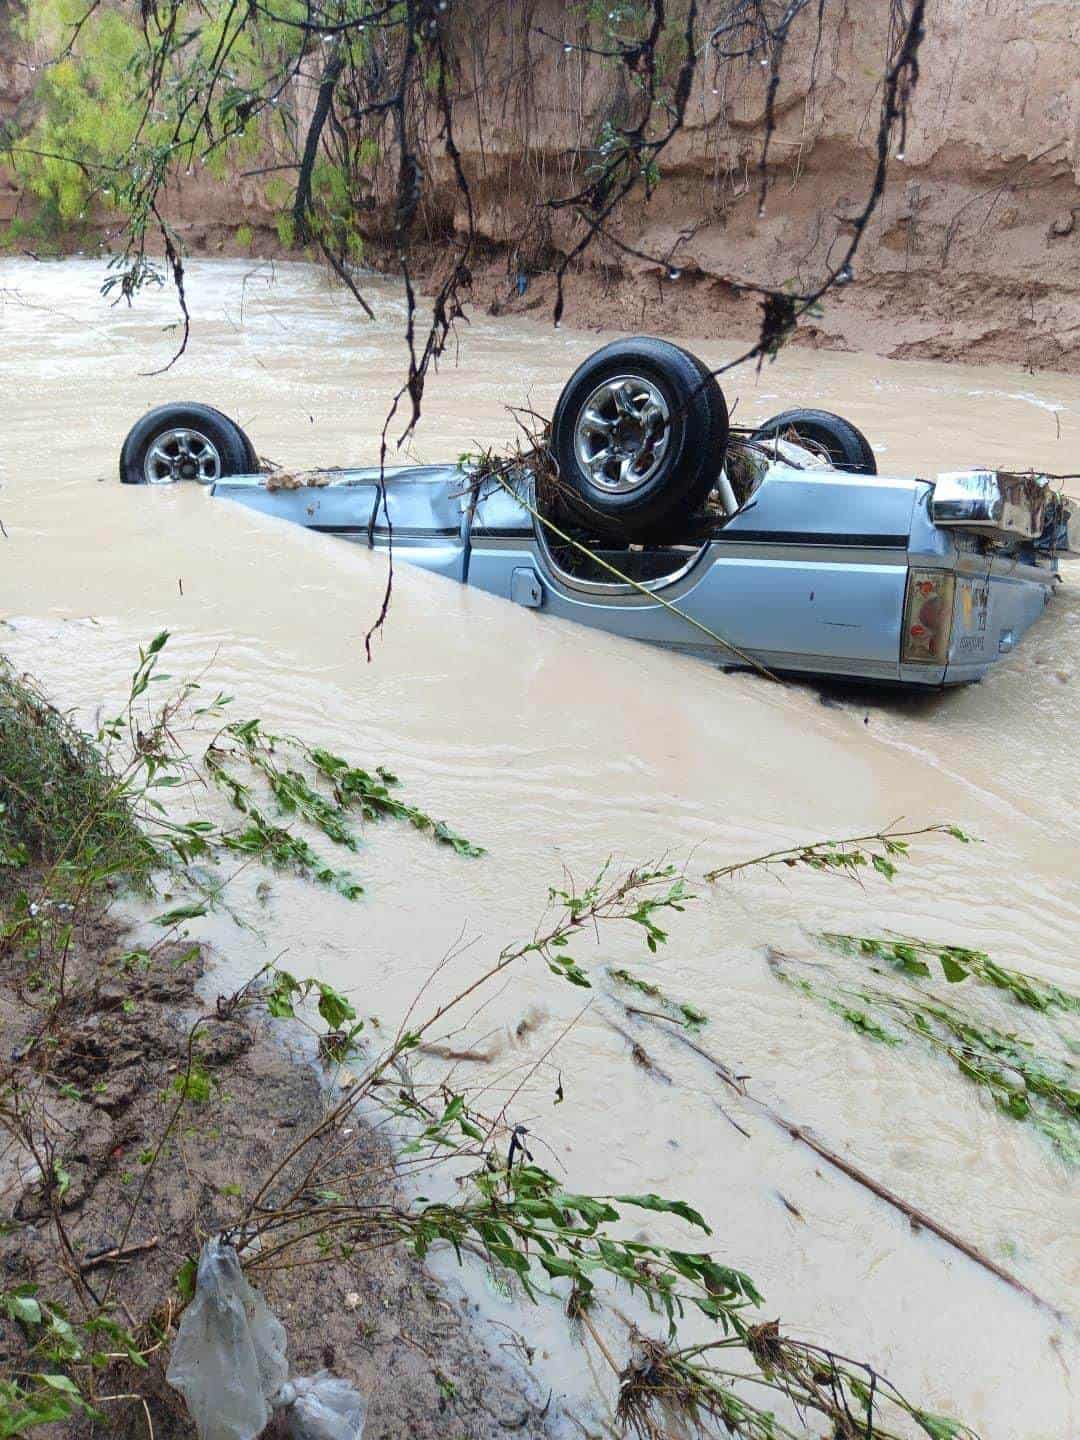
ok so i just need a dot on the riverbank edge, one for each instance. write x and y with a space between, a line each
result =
861 319
377 1318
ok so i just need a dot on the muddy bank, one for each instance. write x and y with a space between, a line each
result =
972 254
111 1061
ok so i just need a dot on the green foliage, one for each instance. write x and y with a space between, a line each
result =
349 790
635 898
528 1225
912 956
680 1010
850 857
89 105
1022 1082
284 994
44 1393
63 803
194 1085
90 814
137 98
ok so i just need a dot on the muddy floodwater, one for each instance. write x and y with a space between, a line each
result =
556 747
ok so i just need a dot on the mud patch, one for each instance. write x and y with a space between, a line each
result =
378 1319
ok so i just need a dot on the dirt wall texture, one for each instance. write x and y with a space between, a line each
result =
973 255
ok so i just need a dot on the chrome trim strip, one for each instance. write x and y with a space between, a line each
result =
812 539
785 551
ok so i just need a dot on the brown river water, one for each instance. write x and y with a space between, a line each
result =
557 747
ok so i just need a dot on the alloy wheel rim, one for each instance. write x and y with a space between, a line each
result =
182 454
622 434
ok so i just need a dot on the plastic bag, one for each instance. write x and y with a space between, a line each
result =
325 1408
229 1364
229 1356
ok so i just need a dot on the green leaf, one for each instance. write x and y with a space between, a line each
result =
280 994
939 1427
667 1207
21 1307
185 1279
953 971
181 912
62 1383
194 1086
912 967
333 1006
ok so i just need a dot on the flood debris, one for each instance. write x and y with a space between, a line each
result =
640 1056
919 1219
301 479
913 956
1024 1082
681 1011
229 1364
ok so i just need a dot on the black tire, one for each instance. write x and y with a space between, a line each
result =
235 454
847 447
681 476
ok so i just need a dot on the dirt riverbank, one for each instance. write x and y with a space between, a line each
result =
972 254
110 1068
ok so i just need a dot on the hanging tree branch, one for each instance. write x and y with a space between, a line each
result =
208 79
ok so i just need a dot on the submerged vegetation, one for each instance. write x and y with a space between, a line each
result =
912 956
1021 1080
539 1238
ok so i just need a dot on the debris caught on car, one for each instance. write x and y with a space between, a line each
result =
777 548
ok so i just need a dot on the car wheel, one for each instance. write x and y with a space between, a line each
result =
639 436
847 448
185 442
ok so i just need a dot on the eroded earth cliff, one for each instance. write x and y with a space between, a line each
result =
973 254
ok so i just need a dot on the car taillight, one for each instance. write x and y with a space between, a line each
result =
927 617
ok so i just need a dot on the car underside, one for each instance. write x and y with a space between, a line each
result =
647 515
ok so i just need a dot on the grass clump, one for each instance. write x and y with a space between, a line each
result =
62 801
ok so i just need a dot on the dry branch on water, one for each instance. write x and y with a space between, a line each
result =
537 1235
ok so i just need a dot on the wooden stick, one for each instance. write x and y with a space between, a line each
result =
658 1015
919 1219
117 1253
639 1054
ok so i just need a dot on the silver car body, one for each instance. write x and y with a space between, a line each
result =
811 574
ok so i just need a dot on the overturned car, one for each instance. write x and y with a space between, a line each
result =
778 547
